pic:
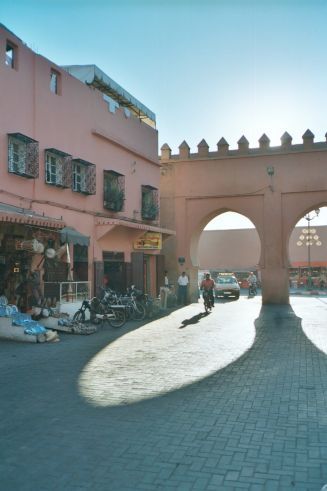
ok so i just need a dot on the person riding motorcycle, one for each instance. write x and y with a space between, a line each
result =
208 285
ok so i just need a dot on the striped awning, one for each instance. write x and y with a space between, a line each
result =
105 225
13 214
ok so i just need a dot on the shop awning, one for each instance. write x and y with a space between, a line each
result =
72 236
13 214
305 264
105 225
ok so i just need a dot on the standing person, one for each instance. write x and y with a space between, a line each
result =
182 288
164 290
252 281
208 285
106 281
35 282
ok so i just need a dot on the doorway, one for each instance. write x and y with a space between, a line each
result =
114 270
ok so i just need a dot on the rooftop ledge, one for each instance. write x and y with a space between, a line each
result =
93 76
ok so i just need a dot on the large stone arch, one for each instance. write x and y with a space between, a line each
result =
200 212
273 187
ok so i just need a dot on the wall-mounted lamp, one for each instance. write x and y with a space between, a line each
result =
133 167
181 260
270 170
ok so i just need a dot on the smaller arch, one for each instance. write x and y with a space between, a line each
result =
235 248
305 258
297 216
207 218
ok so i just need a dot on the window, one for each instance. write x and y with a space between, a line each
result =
79 178
11 52
58 169
150 205
23 155
114 192
55 82
83 177
18 157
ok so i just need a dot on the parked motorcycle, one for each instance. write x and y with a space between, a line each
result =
101 311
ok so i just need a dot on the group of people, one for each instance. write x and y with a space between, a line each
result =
207 285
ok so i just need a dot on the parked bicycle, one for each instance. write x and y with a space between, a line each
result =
134 308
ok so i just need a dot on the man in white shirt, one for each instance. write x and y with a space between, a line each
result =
182 288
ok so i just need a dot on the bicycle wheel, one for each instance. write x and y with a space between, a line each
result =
119 319
138 312
207 303
79 316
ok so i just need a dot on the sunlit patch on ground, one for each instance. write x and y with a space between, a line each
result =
312 317
168 354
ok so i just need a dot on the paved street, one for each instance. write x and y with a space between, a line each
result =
230 401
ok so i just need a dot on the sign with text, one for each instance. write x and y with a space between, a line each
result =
149 240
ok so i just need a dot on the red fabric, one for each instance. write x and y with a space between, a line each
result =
207 284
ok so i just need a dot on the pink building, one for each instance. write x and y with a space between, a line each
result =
79 166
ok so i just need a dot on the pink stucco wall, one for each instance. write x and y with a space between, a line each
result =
239 249
76 121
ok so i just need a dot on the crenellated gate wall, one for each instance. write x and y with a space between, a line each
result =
272 186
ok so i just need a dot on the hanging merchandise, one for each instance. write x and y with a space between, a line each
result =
32 245
50 253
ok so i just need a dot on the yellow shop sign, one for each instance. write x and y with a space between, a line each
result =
149 240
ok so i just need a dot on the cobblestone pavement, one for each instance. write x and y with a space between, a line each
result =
230 401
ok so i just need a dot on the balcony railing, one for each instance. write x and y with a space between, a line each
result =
67 291
150 203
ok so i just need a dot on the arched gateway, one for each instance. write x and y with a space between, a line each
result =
272 186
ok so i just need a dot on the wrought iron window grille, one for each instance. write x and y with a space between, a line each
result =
150 203
58 168
23 156
84 177
114 191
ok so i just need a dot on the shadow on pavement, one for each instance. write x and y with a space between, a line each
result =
193 320
277 316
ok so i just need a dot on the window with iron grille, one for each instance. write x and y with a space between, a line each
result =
84 174
150 203
113 191
58 168
23 155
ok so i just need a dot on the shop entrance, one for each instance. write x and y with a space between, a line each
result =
80 263
114 270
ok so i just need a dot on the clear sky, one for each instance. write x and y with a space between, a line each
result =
207 68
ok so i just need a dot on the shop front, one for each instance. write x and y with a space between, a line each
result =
129 254
26 239
36 263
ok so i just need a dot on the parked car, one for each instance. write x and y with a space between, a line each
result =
227 286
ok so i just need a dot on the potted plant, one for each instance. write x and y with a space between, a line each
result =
114 199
